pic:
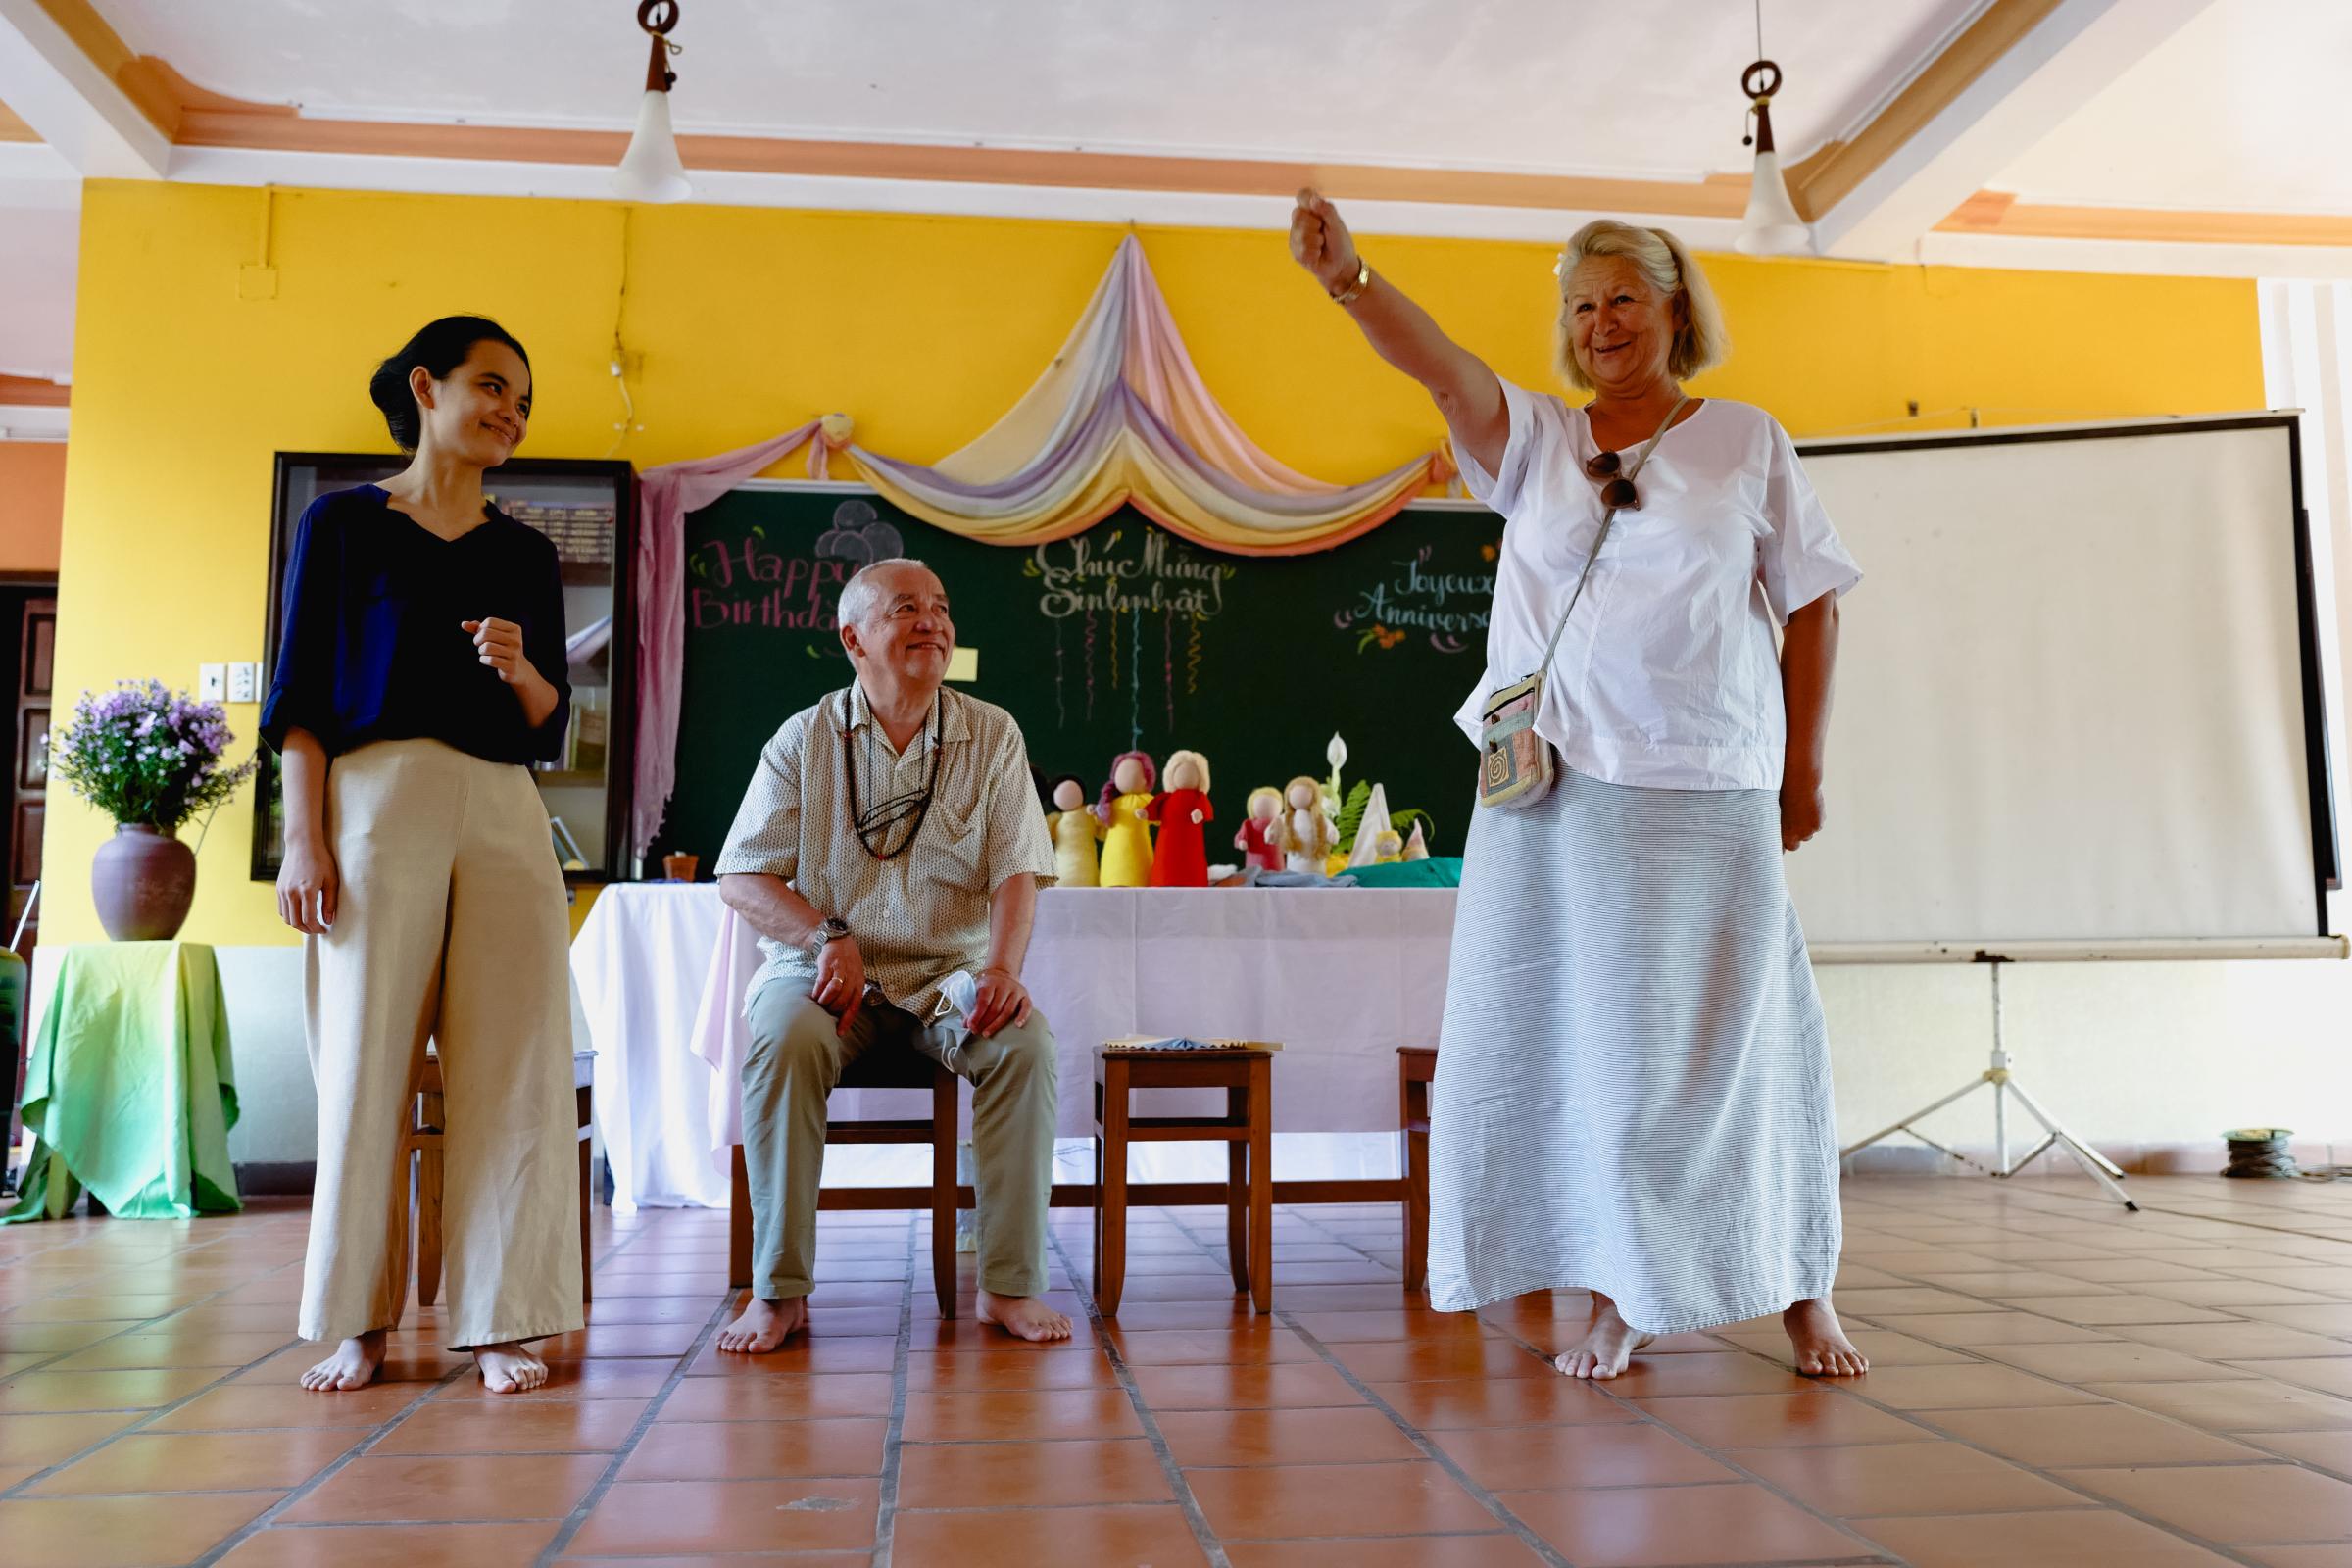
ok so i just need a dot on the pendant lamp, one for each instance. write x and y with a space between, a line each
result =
651 171
1772 225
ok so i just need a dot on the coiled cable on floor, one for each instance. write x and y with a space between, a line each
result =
2261 1153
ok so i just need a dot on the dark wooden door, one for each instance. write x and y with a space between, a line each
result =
34 646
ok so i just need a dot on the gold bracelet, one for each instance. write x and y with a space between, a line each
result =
1355 290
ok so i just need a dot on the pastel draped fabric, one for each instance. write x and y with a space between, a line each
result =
1120 418
665 494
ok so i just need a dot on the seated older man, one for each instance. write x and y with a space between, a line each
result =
890 842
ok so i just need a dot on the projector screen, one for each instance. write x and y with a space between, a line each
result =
2077 689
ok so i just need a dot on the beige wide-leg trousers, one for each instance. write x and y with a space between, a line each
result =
450 927
796 1056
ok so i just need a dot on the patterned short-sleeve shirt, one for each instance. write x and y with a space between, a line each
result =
921 915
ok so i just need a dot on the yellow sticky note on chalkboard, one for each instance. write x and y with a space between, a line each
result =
965 665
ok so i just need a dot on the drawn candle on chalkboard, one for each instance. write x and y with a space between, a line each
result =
1451 607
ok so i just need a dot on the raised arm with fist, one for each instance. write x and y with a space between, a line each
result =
1320 243
1400 331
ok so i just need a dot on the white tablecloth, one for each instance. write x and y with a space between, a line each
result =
640 963
1341 976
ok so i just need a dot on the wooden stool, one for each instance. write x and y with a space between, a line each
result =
424 1142
1416 1069
1246 1129
879 1069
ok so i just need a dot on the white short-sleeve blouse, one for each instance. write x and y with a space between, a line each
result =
1668 675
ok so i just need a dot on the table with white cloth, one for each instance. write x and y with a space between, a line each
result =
1339 976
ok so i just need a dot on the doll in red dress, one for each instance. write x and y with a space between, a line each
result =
1255 839
1180 860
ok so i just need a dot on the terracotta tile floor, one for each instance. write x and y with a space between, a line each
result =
2059 1383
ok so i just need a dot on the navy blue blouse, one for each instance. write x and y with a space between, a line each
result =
371 645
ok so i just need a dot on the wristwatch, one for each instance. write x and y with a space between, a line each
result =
832 930
1363 281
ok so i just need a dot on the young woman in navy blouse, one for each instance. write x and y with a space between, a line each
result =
421 668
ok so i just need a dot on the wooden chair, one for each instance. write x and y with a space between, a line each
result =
1416 1069
879 1069
1246 1129
424 1142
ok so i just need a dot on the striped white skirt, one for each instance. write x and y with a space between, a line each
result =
1633 1091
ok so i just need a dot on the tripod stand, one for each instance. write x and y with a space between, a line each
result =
2004 1084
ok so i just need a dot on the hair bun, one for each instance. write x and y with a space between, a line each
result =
388 390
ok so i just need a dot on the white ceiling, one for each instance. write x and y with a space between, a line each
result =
2246 109
37 250
1560 86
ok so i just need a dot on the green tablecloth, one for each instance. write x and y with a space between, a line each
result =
1437 871
131 1090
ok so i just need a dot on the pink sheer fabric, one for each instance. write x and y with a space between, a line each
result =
665 494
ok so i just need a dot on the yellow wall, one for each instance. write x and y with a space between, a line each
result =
923 328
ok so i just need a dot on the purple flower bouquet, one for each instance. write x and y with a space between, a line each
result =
147 755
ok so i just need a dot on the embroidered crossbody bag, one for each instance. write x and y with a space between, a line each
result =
1516 767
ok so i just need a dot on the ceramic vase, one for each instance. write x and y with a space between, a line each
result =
142 880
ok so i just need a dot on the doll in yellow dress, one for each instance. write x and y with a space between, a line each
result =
1076 834
1127 837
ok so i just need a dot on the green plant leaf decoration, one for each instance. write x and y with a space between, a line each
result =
1351 814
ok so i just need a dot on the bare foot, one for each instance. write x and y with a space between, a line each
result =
1609 1343
352 1366
1821 1349
1024 1317
765 1325
509 1368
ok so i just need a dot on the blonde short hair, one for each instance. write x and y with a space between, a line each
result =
1167 769
1700 340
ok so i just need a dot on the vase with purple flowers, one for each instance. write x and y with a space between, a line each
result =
151 759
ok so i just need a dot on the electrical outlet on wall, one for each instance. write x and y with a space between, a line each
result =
212 683
244 682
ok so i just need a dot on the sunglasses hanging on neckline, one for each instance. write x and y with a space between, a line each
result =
1618 491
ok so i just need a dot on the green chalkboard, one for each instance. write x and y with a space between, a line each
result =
1121 638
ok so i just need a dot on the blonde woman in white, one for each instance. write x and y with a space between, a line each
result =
1633 1091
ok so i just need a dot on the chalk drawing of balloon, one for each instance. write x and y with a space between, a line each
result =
858 534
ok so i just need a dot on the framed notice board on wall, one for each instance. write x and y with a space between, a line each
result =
1123 637
589 509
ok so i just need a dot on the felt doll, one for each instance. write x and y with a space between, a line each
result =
1127 837
1416 847
1255 838
1304 833
1076 833
1180 860
1387 848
